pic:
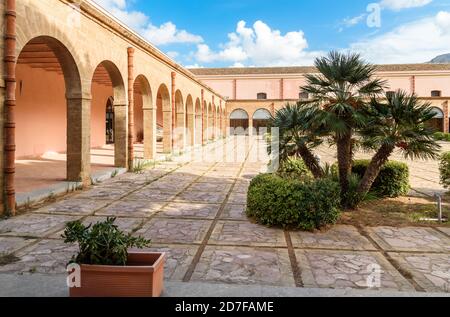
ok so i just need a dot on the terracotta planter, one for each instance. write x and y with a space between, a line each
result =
142 277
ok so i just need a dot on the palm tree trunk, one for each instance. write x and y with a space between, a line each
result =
374 168
344 156
310 161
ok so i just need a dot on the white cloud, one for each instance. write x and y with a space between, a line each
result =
167 33
259 45
397 5
415 42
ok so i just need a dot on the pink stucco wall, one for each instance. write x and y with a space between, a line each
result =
396 83
41 112
223 86
248 88
425 84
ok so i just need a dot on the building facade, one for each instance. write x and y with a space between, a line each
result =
251 92
76 82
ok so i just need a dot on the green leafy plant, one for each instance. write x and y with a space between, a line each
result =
309 205
140 166
444 169
392 180
102 243
441 136
294 168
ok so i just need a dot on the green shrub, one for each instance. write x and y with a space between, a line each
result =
308 205
294 168
393 180
102 243
444 169
441 136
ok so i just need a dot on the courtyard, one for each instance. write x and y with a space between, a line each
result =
194 209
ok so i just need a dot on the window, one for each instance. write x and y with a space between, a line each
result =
303 96
436 93
262 96
390 94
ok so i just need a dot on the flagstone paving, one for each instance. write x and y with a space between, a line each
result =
195 212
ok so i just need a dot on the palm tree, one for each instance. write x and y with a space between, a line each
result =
294 139
399 122
345 83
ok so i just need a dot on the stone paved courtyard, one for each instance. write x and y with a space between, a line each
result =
196 213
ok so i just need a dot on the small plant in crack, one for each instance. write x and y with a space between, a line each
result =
8 258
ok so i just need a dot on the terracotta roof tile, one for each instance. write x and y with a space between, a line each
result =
308 69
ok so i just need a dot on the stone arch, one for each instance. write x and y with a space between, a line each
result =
437 122
239 122
198 122
51 93
107 80
144 117
260 120
190 121
164 118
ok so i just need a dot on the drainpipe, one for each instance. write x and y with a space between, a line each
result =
10 104
174 75
413 84
130 108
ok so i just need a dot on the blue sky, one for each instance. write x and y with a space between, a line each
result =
227 33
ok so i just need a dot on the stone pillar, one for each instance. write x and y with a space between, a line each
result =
214 123
250 126
180 128
8 135
446 117
149 133
167 131
204 119
191 128
121 135
79 140
174 87
130 107
220 119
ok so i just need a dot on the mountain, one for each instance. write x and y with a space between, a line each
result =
441 59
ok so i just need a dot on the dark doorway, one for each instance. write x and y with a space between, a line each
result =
110 121
260 120
437 123
239 122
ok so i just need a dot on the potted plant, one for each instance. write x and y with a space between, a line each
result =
107 269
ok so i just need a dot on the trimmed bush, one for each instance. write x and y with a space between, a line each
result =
294 169
441 136
393 180
309 205
444 169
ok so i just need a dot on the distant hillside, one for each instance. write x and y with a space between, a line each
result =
441 59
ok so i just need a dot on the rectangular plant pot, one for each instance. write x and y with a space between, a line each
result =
142 277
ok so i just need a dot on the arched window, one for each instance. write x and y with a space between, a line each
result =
437 123
303 96
239 122
436 93
260 120
261 96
